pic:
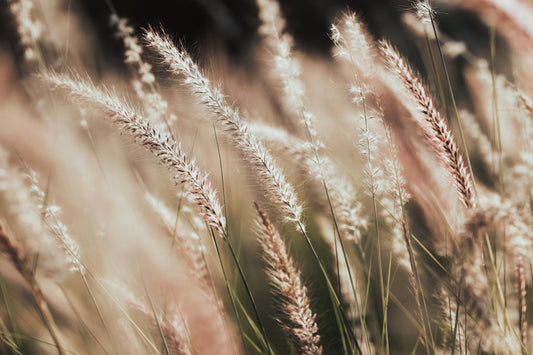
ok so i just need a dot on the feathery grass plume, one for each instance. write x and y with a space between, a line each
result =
171 325
287 71
395 217
434 127
279 43
144 84
350 219
286 280
287 68
29 29
383 175
394 203
424 12
165 149
35 221
25 268
353 43
277 188
348 212
51 214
